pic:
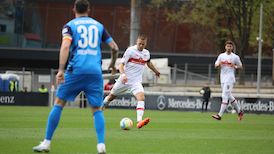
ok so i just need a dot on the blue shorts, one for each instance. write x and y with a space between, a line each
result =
91 84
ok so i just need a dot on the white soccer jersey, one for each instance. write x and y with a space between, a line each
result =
227 74
134 63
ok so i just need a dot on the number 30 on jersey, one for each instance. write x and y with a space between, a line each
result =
89 36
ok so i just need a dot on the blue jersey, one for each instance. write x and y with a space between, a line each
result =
87 36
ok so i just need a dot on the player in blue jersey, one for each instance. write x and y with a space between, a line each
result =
81 50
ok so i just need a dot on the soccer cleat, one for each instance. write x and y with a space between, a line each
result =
240 115
217 117
42 147
101 147
143 123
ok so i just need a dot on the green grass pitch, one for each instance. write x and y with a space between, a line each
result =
169 132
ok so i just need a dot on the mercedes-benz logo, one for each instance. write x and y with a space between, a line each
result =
161 100
229 108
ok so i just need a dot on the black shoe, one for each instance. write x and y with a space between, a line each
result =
217 117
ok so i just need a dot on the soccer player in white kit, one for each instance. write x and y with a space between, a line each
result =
131 70
228 62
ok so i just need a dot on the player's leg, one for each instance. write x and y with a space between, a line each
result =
64 92
54 118
225 93
233 100
225 89
99 125
140 108
236 105
203 105
138 91
53 121
117 89
94 93
110 97
206 104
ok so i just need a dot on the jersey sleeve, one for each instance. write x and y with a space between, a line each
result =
106 36
147 56
218 60
238 61
67 33
126 56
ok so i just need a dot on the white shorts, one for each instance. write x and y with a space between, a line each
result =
226 91
120 88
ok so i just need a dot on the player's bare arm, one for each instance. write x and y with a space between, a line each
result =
114 55
236 66
217 65
218 62
122 73
64 52
239 66
151 66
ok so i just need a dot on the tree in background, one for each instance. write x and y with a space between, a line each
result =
268 28
231 19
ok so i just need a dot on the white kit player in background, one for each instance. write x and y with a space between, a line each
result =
131 70
228 62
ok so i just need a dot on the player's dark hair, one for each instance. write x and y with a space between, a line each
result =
229 42
142 36
81 6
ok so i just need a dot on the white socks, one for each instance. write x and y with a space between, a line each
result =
236 106
47 142
101 147
222 109
140 110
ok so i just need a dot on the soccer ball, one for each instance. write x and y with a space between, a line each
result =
202 91
233 111
126 124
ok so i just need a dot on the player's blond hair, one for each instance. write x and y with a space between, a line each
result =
142 36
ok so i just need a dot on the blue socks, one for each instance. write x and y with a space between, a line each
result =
99 124
53 120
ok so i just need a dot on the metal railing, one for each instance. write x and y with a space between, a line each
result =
200 74
187 74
